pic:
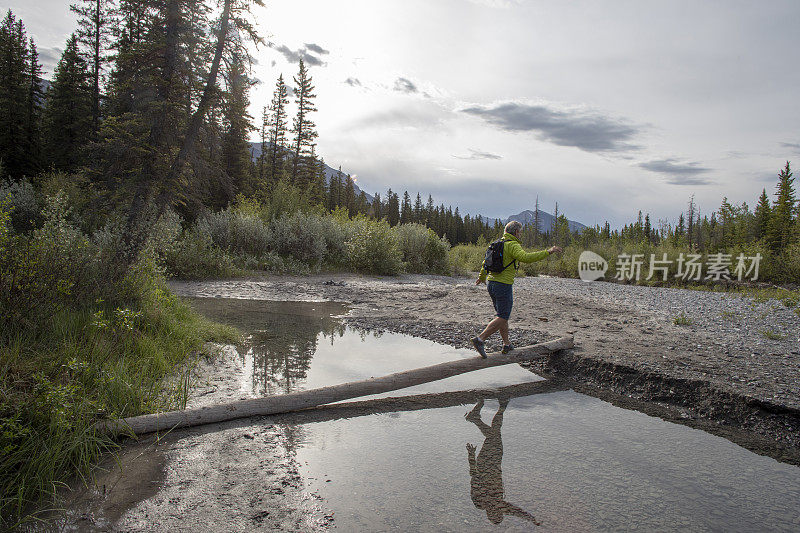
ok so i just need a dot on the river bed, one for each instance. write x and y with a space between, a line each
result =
521 455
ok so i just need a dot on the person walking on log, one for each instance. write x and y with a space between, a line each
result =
501 281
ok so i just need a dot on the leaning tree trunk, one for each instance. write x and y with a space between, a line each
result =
311 398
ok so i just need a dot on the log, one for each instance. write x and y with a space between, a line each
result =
295 401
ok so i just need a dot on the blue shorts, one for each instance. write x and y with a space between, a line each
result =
502 298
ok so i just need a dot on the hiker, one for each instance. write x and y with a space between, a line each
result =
501 282
485 470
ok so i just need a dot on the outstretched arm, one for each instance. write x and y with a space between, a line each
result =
473 467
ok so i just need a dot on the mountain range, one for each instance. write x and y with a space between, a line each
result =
526 217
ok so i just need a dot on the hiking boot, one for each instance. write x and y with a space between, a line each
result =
479 345
507 348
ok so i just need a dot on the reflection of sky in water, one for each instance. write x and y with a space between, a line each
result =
572 461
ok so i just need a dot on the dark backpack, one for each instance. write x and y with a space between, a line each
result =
493 261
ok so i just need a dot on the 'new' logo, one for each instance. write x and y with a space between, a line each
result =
591 266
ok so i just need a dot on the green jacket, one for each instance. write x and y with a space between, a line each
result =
512 251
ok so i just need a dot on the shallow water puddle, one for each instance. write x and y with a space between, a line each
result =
283 338
554 461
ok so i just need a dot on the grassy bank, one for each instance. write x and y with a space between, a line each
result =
82 338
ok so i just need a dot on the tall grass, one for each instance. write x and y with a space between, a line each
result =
80 338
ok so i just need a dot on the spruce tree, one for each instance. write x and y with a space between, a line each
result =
236 160
405 209
277 129
377 210
14 93
780 230
392 207
350 196
95 27
68 113
303 127
34 102
762 215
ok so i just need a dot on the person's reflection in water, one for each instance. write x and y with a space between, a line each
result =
486 472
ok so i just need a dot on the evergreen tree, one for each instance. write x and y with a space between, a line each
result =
780 230
690 214
554 225
537 221
418 214
350 196
392 208
316 189
68 113
405 209
362 205
763 213
303 127
95 24
33 112
277 129
429 211
15 88
236 160
335 190
377 210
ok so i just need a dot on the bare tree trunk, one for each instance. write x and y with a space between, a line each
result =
311 398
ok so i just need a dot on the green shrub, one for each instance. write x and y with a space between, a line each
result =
236 231
312 238
373 248
195 257
466 258
23 204
422 249
47 269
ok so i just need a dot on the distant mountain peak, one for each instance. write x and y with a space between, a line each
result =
528 216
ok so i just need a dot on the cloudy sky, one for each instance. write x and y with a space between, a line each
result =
604 107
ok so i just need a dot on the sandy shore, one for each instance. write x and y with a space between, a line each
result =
734 370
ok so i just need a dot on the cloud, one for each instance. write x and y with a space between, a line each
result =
499 4
405 85
591 132
49 57
678 173
477 154
794 147
317 49
353 82
419 118
305 53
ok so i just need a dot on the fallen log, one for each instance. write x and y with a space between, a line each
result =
295 401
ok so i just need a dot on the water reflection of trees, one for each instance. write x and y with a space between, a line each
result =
281 337
283 347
